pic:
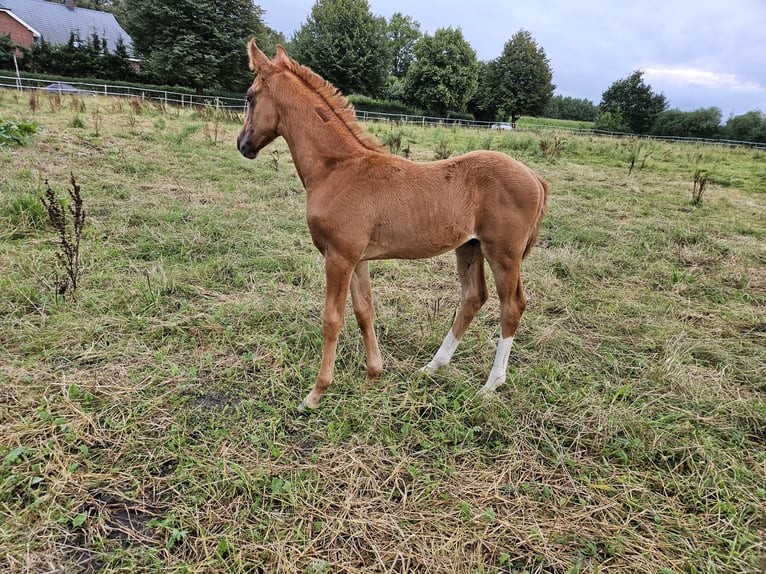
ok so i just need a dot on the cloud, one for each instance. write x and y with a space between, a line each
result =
705 78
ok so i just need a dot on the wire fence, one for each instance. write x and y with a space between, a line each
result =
238 104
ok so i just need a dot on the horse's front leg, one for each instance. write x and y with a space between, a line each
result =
338 275
361 297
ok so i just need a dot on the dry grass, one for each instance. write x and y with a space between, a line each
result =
150 425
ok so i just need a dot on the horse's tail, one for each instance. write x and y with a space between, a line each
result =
541 209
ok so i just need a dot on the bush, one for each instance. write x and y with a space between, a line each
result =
611 122
16 133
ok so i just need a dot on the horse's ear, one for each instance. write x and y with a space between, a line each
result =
259 61
281 54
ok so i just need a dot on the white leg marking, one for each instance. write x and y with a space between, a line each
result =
443 355
499 367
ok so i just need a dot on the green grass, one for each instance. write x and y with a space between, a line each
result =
150 426
532 123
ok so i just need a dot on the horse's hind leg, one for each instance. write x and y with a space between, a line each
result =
507 272
473 294
361 298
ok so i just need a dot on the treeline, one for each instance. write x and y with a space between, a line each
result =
701 123
706 123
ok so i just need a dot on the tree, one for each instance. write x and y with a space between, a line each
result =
568 108
7 50
443 76
116 7
748 127
196 43
634 101
344 43
76 58
701 123
403 33
704 123
481 104
518 82
117 66
103 5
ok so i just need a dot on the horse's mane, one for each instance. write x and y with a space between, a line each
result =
335 100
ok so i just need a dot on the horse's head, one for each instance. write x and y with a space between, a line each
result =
262 117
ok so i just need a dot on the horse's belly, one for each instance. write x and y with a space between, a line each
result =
416 245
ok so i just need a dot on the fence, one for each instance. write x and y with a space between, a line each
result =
168 97
238 104
530 126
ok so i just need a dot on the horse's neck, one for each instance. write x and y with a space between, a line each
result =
317 142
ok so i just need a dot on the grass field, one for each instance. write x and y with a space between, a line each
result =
149 424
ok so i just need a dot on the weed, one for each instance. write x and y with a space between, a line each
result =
552 147
699 186
98 121
442 149
132 122
635 155
394 141
76 122
213 132
54 102
185 133
16 132
159 106
216 114
136 105
33 103
69 233
77 104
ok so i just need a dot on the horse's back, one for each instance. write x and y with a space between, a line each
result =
511 181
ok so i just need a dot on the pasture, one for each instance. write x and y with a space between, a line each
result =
149 424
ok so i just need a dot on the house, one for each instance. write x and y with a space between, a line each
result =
30 21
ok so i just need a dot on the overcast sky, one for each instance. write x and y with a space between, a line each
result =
699 53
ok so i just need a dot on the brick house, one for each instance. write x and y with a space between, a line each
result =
30 21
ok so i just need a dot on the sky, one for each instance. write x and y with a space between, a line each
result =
698 53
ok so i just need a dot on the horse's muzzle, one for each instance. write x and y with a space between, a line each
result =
244 146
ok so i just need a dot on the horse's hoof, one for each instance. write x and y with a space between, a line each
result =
490 388
428 370
303 407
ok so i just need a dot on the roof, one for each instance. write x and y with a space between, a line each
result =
55 22
35 33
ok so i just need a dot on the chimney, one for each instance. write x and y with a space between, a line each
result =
69 4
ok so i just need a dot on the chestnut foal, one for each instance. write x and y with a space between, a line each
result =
364 203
